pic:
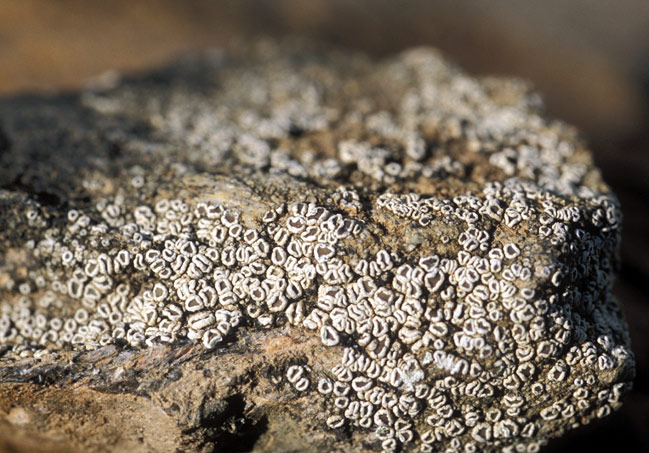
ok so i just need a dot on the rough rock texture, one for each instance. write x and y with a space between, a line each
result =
284 249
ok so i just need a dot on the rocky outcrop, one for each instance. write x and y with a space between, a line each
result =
283 248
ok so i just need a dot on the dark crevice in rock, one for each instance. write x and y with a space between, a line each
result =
228 428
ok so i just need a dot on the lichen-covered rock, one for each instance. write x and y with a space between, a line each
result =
282 248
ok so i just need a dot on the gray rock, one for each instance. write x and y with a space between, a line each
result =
283 248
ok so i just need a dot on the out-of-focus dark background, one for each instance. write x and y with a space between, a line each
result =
588 58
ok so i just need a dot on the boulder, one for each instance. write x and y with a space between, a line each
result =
285 248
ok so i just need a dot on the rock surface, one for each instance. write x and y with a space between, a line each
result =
288 249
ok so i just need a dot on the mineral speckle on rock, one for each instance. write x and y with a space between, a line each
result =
311 250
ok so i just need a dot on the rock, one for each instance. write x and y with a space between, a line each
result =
281 248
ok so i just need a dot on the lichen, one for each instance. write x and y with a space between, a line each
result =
457 248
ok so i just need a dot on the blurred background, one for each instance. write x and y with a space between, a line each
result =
589 59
